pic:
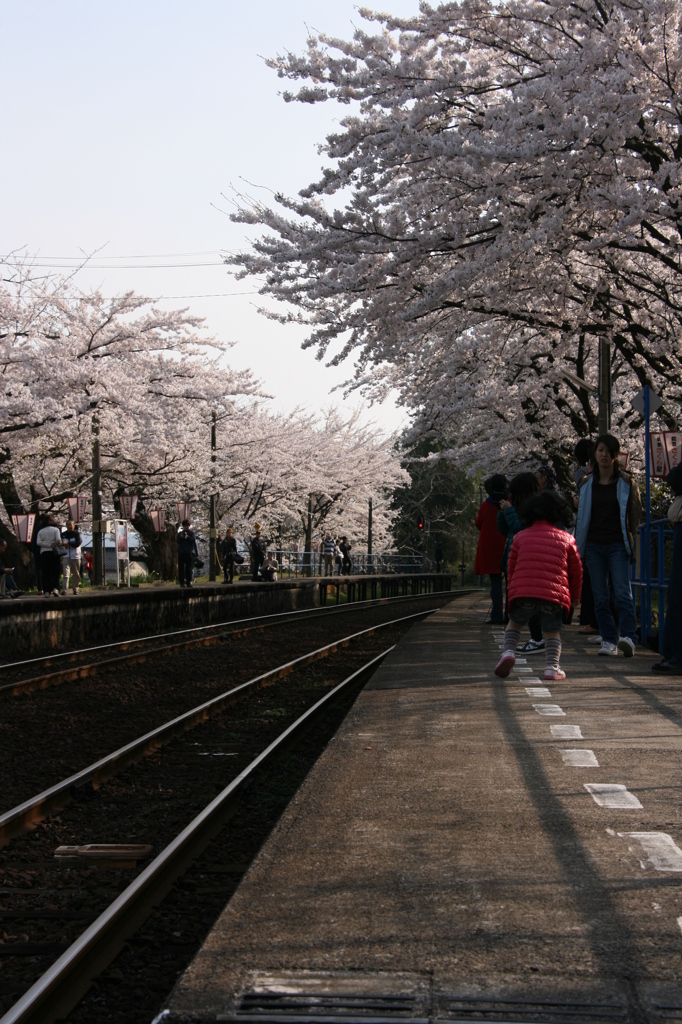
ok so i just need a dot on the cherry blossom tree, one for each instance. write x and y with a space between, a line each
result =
503 192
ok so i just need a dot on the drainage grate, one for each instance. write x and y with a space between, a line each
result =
309 1006
547 1012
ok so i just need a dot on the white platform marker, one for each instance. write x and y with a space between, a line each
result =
549 709
655 850
580 758
566 732
679 921
609 794
538 691
532 679
522 671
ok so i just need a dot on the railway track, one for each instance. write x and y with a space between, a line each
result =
109 798
140 649
56 797
61 987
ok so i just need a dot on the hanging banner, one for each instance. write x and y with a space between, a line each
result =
77 506
23 527
659 459
673 445
122 538
184 510
128 505
158 518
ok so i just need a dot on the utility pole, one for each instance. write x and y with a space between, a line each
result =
97 546
308 556
369 532
604 415
212 532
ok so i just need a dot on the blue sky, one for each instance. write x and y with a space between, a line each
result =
123 124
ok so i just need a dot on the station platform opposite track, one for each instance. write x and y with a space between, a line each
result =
469 848
34 625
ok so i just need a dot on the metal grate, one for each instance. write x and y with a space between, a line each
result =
545 1011
325 1004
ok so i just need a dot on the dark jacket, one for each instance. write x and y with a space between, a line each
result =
229 548
187 543
508 524
72 541
258 548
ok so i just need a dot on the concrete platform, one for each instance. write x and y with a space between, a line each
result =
445 860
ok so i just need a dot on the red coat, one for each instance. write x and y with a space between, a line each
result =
491 542
544 563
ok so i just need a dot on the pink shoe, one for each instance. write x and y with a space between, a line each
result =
505 664
554 673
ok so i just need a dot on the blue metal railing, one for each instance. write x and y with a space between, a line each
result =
650 553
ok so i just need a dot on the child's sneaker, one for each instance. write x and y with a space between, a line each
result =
554 673
505 664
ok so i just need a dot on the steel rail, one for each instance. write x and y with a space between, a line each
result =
61 987
21 817
259 623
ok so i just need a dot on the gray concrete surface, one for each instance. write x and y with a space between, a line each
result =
443 860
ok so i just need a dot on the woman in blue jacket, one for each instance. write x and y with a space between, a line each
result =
609 512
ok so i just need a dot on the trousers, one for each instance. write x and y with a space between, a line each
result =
185 560
604 560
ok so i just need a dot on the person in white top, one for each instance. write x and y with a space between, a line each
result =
71 539
49 539
269 568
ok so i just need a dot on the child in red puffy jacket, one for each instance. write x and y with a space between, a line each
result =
544 575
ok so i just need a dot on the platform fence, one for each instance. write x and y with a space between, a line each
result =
650 577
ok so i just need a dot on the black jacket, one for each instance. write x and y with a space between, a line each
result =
229 547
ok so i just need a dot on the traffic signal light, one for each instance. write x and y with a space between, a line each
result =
420 523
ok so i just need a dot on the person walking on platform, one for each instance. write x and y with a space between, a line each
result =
522 488
229 556
609 512
584 456
327 548
42 520
257 552
71 563
490 547
50 545
345 548
544 577
671 663
187 552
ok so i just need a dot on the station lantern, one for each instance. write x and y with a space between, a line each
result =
158 518
77 506
23 526
184 510
128 504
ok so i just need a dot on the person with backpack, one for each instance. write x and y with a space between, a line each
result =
187 552
544 577
229 555
71 563
258 549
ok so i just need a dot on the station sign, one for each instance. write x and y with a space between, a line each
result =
23 526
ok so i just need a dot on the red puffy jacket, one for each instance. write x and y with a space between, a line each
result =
544 563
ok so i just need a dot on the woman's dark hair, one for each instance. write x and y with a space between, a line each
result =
496 486
613 445
584 451
522 487
674 479
549 506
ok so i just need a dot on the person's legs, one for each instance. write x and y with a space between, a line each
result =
66 569
184 569
619 567
672 633
535 629
3 584
587 613
75 575
597 559
497 613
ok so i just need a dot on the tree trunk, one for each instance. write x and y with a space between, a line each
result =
17 554
161 548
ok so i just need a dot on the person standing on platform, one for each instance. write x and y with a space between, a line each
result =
609 511
671 663
7 585
229 556
41 520
71 563
345 548
50 545
257 552
584 455
270 568
490 546
327 548
544 578
187 552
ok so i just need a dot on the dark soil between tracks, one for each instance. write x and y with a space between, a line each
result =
47 735
44 907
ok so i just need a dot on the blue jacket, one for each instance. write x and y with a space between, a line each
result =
508 524
187 543
630 507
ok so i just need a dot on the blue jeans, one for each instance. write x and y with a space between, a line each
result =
613 559
672 635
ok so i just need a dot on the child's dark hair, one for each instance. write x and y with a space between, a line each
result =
674 479
549 506
522 487
584 451
496 486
